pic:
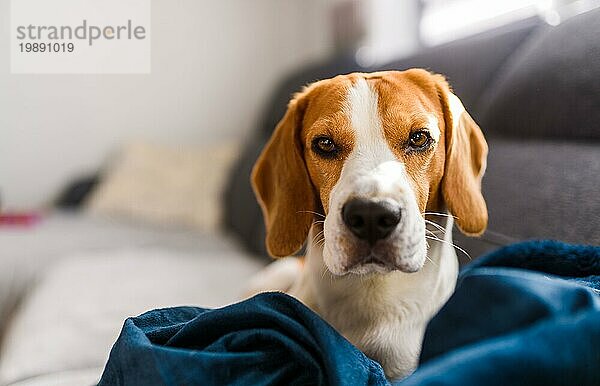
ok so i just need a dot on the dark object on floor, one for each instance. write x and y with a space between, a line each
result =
519 316
77 192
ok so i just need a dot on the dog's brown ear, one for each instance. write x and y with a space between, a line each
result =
282 185
466 157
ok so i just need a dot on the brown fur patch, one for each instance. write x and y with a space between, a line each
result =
326 116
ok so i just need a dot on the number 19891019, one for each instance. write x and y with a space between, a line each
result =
47 47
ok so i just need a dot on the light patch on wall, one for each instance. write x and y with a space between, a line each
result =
446 21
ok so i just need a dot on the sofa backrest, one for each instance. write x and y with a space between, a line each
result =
550 87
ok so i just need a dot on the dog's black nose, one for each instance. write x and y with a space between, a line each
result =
370 220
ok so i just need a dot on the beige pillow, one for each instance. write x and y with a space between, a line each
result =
167 185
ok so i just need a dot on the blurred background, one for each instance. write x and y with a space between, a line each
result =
122 193
213 67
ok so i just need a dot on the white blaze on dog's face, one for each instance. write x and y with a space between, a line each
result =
374 221
372 152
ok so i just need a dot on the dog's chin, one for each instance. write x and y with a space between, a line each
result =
407 265
369 268
371 264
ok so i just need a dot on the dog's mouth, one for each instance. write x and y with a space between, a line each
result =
374 263
372 259
370 264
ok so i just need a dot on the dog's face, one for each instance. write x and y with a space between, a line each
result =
372 153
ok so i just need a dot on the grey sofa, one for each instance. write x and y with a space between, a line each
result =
535 91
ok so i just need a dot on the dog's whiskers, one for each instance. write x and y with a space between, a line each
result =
449 243
318 222
324 273
439 214
431 233
431 261
321 242
317 236
436 225
310 211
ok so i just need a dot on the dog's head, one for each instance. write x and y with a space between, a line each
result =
372 153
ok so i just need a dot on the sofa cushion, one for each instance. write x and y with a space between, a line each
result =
166 185
550 88
539 190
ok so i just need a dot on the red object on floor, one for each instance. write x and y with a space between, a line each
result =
19 219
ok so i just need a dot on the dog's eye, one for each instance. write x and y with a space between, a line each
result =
419 139
324 146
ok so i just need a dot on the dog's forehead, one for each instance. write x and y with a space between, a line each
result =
412 90
399 94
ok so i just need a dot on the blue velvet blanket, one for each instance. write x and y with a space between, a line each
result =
527 314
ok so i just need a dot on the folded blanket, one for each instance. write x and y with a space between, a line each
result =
270 339
519 316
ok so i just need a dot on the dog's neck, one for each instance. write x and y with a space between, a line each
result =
397 301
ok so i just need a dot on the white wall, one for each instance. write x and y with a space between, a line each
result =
392 28
213 64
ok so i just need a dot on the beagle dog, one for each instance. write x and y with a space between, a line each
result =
371 171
